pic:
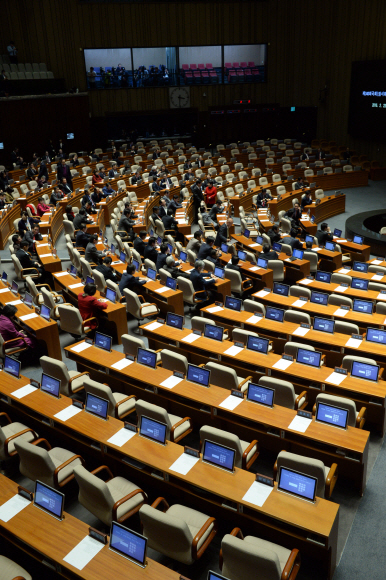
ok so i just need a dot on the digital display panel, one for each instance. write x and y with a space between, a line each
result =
127 543
259 394
218 455
303 486
331 415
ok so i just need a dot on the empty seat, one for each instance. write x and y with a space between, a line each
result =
246 453
226 377
176 427
10 570
355 418
326 476
285 395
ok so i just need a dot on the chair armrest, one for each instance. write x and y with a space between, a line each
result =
299 397
26 269
244 381
381 372
244 282
197 554
158 501
120 403
199 299
141 298
246 465
103 468
323 359
6 342
237 533
58 469
44 285
361 418
76 377
88 320
331 478
125 499
292 566
42 440
4 414
174 427
14 436
149 304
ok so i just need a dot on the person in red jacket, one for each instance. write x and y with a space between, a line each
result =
89 306
96 178
210 194
42 207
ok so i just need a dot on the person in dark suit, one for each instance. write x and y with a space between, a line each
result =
129 281
175 204
25 259
155 188
56 196
87 199
306 200
113 172
347 154
15 157
299 183
139 243
169 221
268 254
171 268
189 176
162 208
32 236
205 248
187 165
216 209
92 254
80 217
31 172
162 255
320 154
198 197
200 162
107 190
214 258
296 213
201 284
150 252
292 241
63 171
234 265
305 156
106 269
156 154
324 234
263 198
65 187
126 224
96 196
82 237
166 182
136 177
155 215
46 157
43 171
274 234
223 234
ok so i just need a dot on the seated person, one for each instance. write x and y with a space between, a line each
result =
23 224
80 217
69 213
195 242
267 253
299 184
223 233
136 177
306 200
162 208
107 190
93 255
201 284
9 330
33 236
43 181
214 257
173 270
42 207
26 262
130 281
89 306
234 265
295 214
82 237
3 202
274 234
324 234
189 176
16 239
139 243
96 196
162 255
96 178
206 248
126 225
216 209
56 196
169 221
154 187
150 253
263 198
113 172
292 241
65 187
206 219
175 204
87 198
166 182
107 270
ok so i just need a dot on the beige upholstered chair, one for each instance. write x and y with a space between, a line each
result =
70 381
10 570
241 335
132 343
246 453
326 476
120 405
338 300
341 279
312 257
199 322
238 285
178 532
277 267
346 327
54 466
115 499
300 291
191 297
11 433
49 301
6 346
137 307
297 317
23 273
285 395
355 418
174 361
241 557
349 359
291 348
176 427
71 320
226 377
253 306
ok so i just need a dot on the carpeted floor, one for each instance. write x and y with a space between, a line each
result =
361 535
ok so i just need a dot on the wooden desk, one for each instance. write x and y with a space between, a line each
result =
358 252
314 527
46 538
114 313
362 275
335 180
349 292
50 262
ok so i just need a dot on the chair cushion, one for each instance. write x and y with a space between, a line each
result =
182 428
282 553
245 386
119 487
10 430
10 570
194 520
148 309
244 445
125 407
77 382
59 456
11 350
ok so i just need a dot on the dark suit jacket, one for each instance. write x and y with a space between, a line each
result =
139 245
150 253
78 219
82 239
222 235
323 237
204 251
54 198
304 156
274 237
92 254
128 281
24 259
169 222
271 255
161 260
61 172
293 242
199 282
306 201
162 212
107 272
125 224
156 155
87 198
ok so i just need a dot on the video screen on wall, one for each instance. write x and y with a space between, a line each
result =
367 114
109 68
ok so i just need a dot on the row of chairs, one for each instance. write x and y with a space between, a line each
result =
199 77
26 67
20 76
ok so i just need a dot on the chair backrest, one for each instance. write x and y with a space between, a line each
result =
339 300
153 412
99 280
133 305
94 494
341 279
241 335
70 319
236 280
222 376
56 368
346 327
277 267
35 462
284 391
242 559
349 359
48 300
297 317
312 257
69 228
223 438
102 391
174 361
292 348
253 306
86 268
306 465
299 291
187 289
17 266
340 402
131 344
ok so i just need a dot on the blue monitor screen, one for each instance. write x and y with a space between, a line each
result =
50 385
96 405
262 263
246 233
49 499
298 254
308 357
122 257
198 375
152 429
362 306
324 324
136 265
359 284
218 455
112 249
274 314
282 289
233 303
12 366
312 219
215 332
14 287
331 415
319 298
215 576
103 341
170 248
151 273
360 267
276 247
242 255
28 299
175 320
45 312
358 240
330 246
73 270
90 280
146 357
171 283
259 394
259 240
111 295
258 344
128 544
224 248
4 276
376 335
337 233
298 484
309 238
183 256
159 241
323 277
364 371
219 272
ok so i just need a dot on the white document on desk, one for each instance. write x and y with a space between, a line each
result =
81 346
78 285
299 303
4 290
282 364
233 350
214 309
255 319
340 312
254 269
376 262
258 493
83 553
13 506
253 245
231 403
316 249
24 391
153 326
341 289
301 331
46 256
60 274
344 270
67 413
336 378
171 382
381 297
353 342
184 464
377 277
116 262
15 302
262 293
299 424
29 316
41 245
191 337
121 437
122 364
162 290
305 281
